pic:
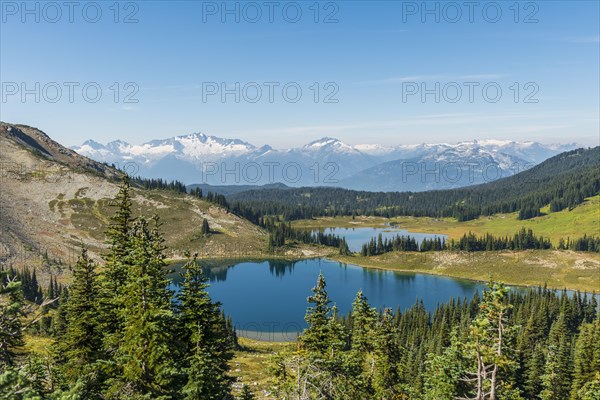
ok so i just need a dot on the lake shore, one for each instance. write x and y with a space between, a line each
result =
558 269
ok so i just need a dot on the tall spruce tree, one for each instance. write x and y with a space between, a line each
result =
205 230
586 359
314 338
144 361
387 357
118 262
557 375
81 344
118 239
205 340
11 312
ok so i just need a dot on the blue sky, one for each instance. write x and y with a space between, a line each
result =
371 61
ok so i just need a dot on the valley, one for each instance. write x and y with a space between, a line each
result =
583 219
247 246
312 200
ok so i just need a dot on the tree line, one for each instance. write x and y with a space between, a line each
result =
524 239
123 333
517 344
563 181
178 187
280 232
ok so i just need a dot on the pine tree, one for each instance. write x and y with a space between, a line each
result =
118 234
363 324
387 356
11 312
205 230
444 372
343 249
558 370
58 325
587 358
205 339
117 266
81 343
314 338
489 344
144 360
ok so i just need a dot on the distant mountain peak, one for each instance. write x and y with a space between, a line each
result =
183 157
322 142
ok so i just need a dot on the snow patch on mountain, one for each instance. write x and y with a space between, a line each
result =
326 161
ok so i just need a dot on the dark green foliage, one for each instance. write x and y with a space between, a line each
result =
522 240
31 289
205 230
11 312
203 333
343 248
121 335
585 243
80 341
314 339
159 184
529 211
280 231
533 343
586 358
564 180
144 359
246 393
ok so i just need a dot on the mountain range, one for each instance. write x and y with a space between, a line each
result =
203 159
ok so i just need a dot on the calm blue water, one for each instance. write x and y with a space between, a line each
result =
356 237
267 299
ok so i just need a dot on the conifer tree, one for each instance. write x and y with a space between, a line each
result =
205 230
144 360
557 373
363 324
489 344
81 343
204 337
343 249
444 372
386 374
314 338
11 312
118 233
587 358
117 266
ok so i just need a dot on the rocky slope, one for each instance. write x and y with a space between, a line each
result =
52 199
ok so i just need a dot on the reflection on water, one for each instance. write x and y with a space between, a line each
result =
267 299
216 270
356 237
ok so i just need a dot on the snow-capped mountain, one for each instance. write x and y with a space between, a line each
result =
201 158
446 168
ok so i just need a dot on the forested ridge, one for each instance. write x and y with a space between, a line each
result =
504 344
563 181
121 333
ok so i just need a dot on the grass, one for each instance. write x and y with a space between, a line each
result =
181 218
557 269
250 364
582 219
40 345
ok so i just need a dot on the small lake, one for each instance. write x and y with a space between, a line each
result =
267 299
356 237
